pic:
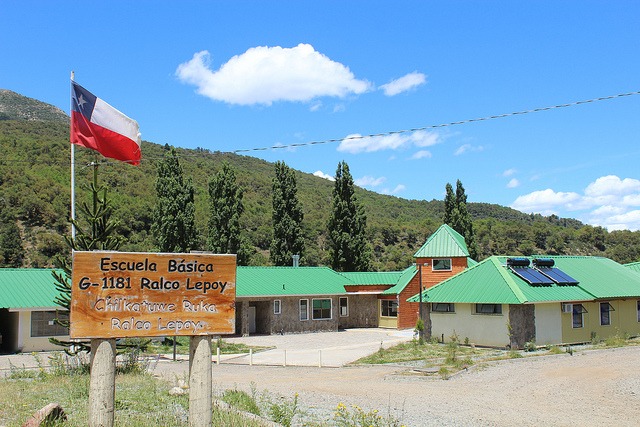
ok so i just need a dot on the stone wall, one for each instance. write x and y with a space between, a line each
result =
362 313
522 320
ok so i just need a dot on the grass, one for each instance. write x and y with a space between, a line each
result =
449 358
141 400
182 346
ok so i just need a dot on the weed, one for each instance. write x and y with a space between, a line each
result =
514 354
444 372
357 417
283 411
530 346
241 400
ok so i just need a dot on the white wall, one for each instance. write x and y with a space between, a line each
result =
26 343
548 323
481 329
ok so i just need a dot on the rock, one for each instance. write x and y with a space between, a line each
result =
177 391
49 414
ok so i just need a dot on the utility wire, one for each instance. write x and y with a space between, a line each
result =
383 134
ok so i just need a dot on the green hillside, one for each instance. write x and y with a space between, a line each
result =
34 202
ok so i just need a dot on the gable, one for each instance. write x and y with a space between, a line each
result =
444 243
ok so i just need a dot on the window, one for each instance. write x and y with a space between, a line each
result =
389 308
321 309
304 309
443 307
577 320
605 313
43 323
488 308
441 264
344 307
638 310
277 306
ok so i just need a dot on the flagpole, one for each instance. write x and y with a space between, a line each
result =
73 171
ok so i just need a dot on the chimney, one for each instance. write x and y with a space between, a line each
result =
296 260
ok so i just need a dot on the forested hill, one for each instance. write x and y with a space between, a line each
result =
34 203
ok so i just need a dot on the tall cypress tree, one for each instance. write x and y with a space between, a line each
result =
287 217
449 204
458 217
174 225
226 207
348 247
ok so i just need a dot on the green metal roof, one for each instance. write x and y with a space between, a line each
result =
491 282
282 281
373 278
27 288
403 281
445 242
635 266
601 277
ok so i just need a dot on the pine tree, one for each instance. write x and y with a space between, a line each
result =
95 232
458 216
174 216
287 217
349 250
226 207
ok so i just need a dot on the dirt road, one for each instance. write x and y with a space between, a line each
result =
590 388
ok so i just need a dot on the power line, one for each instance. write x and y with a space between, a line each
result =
383 134
442 125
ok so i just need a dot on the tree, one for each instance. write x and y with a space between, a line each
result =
94 233
449 204
174 216
11 249
458 217
287 217
226 207
348 247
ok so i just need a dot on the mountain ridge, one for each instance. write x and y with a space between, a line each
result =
34 189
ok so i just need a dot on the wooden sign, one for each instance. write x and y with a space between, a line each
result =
125 294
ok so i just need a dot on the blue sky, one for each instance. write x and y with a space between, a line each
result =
233 75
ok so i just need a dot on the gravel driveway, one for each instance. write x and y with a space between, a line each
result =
590 388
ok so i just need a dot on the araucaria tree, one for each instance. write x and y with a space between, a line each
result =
226 207
174 225
95 233
287 217
457 216
348 247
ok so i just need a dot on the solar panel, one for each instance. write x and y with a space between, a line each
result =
531 276
558 276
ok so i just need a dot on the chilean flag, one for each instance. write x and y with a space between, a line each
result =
97 125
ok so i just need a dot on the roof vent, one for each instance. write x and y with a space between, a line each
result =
543 262
518 262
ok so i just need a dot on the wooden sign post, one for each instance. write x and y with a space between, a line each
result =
123 294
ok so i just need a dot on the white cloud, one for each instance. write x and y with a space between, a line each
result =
513 183
544 201
369 181
404 83
399 189
263 75
422 154
315 106
324 175
509 172
612 185
608 202
357 143
467 148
